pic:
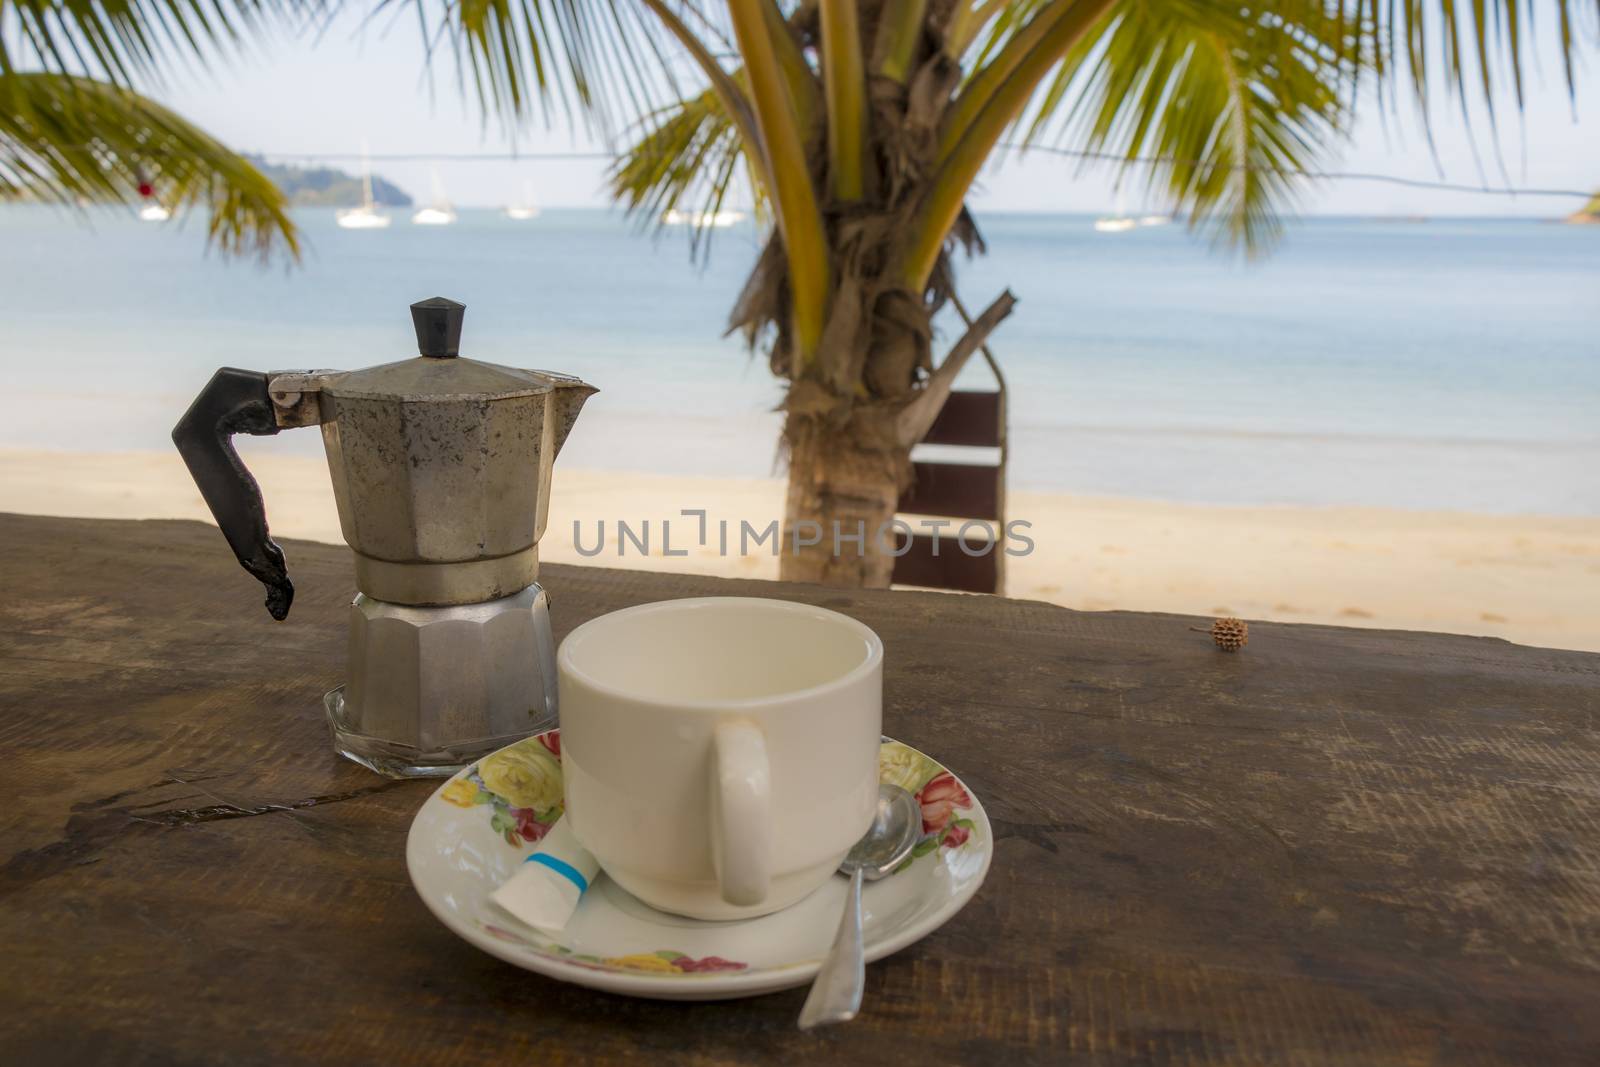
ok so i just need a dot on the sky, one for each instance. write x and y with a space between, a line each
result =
352 83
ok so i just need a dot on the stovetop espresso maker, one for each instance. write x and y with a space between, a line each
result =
441 472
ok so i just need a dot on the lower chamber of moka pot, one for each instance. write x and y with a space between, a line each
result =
431 689
394 760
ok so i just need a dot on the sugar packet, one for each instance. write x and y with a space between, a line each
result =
546 888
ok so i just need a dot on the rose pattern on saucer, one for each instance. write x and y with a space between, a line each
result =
666 962
521 785
939 794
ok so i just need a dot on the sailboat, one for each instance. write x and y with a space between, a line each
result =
525 208
153 212
1120 222
436 212
367 216
699 219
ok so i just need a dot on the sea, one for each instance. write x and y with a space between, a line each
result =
1444 364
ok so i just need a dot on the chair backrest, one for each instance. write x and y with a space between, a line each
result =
960 492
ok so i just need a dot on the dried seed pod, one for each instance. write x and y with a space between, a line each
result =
1230 634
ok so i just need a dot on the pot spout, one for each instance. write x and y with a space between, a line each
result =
566 401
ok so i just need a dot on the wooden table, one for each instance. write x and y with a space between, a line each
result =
1344 846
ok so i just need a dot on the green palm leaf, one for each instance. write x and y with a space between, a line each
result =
121 40
687 158
72 140
75 130
600 61
1234 104
1240 103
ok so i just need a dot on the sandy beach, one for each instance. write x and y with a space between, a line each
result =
1533 580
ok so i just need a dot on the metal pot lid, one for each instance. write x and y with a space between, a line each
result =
440 373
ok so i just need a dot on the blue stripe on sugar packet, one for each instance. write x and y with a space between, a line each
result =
561 867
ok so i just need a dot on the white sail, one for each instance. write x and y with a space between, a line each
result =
1119 222
526 208
698 219
367 216
438 211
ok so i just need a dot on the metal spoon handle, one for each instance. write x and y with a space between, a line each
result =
836 993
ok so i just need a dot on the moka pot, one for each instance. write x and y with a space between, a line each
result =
441 473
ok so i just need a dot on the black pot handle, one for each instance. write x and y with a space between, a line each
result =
235 401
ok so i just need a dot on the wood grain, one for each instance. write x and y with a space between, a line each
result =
1338 846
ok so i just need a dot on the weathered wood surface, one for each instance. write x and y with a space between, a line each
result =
1339 846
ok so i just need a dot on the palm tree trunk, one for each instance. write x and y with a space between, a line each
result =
844 486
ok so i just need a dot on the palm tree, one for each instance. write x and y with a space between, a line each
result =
861 125
74 129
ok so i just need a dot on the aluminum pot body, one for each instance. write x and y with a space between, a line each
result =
444 497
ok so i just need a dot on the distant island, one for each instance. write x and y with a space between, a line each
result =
1589 213
327 187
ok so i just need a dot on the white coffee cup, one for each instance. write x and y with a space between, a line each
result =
720 754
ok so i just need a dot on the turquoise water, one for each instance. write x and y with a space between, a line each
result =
1447 364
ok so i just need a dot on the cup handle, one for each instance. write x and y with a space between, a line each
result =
741 811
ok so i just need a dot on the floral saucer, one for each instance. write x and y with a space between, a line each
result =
473 832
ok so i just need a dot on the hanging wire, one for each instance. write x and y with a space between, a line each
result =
1317 175
1099 157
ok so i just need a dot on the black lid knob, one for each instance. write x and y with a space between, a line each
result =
438 323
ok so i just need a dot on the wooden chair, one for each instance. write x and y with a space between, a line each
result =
959 492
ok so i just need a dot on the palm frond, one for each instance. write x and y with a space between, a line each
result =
968 135
1425 40
762 39
845 88
72 140
686 159
900 28
998 28
1016 31
1239 103
1233 104
600 61
123 40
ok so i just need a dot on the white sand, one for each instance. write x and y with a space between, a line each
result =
1529 579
